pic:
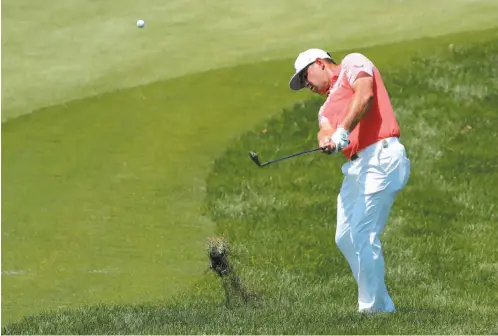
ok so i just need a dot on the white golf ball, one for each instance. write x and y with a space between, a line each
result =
140 23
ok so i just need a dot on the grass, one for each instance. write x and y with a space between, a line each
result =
56 53
439 242
101 193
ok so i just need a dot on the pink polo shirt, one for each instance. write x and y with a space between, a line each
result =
378 123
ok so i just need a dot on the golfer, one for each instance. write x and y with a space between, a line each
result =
357 119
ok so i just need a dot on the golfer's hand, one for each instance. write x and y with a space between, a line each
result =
327 145
324 137
340 139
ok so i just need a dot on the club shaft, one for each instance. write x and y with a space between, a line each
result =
292 155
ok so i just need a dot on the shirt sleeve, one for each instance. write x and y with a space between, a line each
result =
355 63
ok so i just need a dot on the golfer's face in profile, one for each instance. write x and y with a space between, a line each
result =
314 77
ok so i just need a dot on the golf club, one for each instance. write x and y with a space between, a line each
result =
255 156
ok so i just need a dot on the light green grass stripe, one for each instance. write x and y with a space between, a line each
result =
57 51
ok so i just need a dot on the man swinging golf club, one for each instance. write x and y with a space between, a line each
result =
357 119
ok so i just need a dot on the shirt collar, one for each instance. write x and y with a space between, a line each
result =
335 76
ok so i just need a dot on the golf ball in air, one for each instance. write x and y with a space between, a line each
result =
140 23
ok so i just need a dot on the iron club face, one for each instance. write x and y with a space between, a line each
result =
255 158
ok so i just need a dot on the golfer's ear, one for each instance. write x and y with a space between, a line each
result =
320 62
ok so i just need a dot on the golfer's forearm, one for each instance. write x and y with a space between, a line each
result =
324 132
359 106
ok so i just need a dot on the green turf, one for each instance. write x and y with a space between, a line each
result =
439 243
57 52
100 194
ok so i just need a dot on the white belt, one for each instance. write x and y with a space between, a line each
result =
371 149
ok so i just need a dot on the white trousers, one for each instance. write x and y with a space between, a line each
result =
371 183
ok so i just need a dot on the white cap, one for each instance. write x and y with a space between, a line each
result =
302 61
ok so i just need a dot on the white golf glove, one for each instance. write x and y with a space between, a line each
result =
340 138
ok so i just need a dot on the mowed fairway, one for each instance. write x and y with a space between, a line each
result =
56 52
102 196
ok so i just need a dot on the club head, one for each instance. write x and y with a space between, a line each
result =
255 158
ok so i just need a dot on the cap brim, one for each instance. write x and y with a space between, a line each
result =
295 82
